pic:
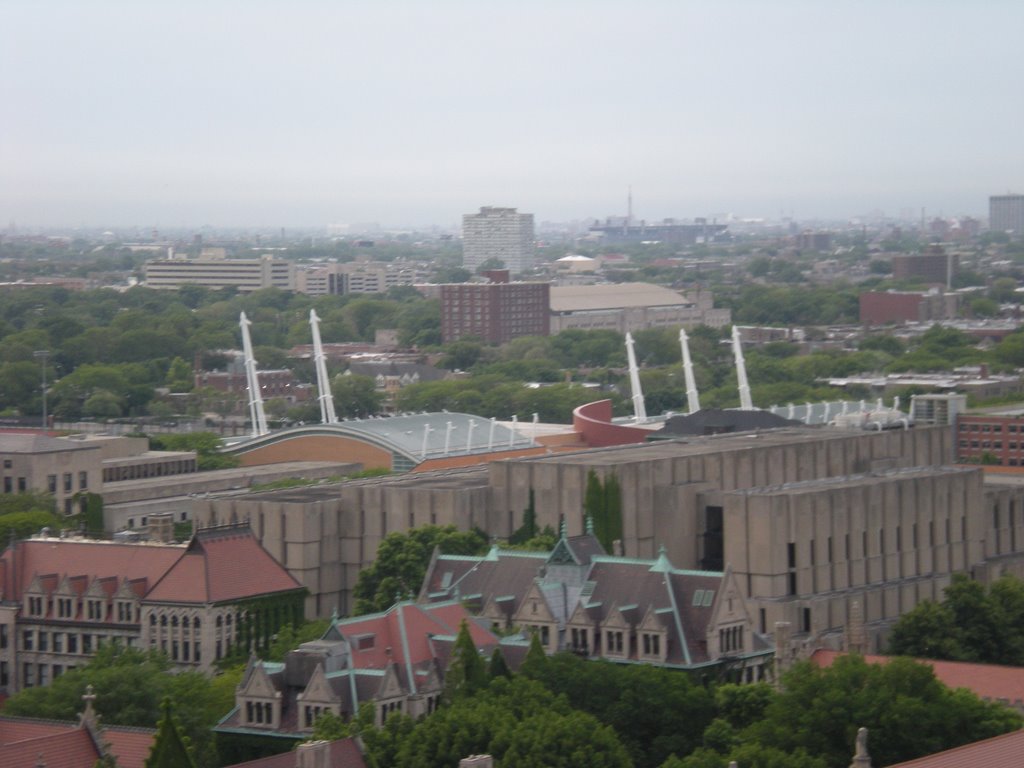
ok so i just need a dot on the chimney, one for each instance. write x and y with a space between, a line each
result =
161 527
313 754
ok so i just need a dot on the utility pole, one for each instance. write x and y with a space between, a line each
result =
42 355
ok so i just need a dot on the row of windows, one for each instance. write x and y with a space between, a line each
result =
34 674
184 650
65 642
990 428
730 639
92 609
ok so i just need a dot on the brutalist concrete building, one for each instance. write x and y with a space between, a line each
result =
822 527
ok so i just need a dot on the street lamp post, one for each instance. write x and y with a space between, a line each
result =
42 355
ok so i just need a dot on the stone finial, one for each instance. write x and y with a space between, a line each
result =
563 528
861 758
590 525
89 697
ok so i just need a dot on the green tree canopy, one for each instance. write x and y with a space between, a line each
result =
401 563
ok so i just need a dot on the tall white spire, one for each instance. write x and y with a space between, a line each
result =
323 384
746 404
639 409
256 414
692 397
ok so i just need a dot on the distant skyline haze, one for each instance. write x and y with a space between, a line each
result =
309 113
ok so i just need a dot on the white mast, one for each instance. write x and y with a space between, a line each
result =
639 411
323 384
746 404
692 397
258 418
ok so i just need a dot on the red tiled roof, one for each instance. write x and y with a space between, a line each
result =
78 557
1006 751
420 622
73 748
66 745
131 746
344 754
220 566
987 681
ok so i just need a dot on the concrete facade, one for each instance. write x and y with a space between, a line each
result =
818 525
498 233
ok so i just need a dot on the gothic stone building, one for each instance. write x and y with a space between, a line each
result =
620 609
394 660
60 599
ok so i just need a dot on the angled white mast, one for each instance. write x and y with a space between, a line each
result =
746 404
323 384
639 409
692 397
256 414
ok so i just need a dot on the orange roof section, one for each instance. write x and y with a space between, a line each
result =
988 681
1006 751
222 565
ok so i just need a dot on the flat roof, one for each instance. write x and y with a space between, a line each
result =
698 446
580 298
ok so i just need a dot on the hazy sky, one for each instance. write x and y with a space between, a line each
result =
297 112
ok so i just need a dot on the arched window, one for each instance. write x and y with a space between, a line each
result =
220 622
195 623
174 621
163 620
152 619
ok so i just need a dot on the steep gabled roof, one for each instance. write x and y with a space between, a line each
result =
222 565
82 561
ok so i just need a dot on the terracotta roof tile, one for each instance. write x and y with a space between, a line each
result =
221 566
1006 751
131 746
343 754
80 558
987 681
73 748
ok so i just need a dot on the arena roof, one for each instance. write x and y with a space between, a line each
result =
413 437
583 298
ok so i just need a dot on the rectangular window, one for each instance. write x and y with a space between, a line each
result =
58 642
27 640
44 641
83 480
51 483
22 486
791 554
72 643
67 482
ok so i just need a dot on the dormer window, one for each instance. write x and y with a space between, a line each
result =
35 606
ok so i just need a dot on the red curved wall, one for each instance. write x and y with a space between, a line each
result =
593 422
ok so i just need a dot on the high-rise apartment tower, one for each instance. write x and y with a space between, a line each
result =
498 233
1006 214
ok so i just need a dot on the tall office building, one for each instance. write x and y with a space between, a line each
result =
498 233
1006 214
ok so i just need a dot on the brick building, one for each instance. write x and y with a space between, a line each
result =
882 307
494 312
935 267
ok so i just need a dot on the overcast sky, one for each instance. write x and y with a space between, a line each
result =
297 112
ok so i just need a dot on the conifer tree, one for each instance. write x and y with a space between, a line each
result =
498 666
466 673
536 661
171 748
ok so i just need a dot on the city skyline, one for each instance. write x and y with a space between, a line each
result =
258 114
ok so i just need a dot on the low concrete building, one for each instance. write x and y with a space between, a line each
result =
631 307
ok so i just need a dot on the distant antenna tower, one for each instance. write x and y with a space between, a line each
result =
746 404
256 414
639 409
692 398
323 384
629 207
